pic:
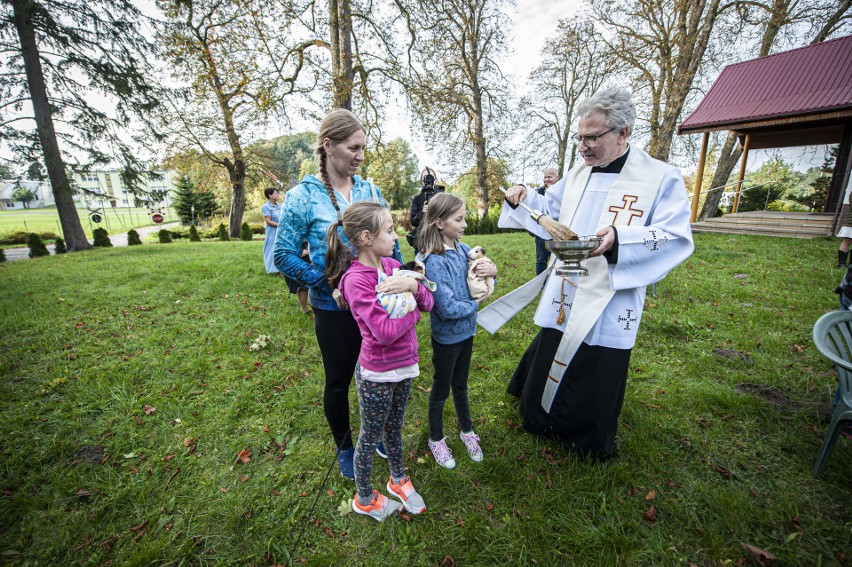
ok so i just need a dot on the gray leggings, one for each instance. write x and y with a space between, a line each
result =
382 408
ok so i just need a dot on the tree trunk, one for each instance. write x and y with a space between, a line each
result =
72 228
237 176
479 145
729 156
340 29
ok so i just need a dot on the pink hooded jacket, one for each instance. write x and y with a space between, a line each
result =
387 343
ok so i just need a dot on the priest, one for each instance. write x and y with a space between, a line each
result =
571 380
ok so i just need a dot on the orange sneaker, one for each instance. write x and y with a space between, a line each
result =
406 494
379 508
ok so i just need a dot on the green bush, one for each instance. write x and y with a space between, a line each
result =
2 255
101 238
165 236
59 246
36 245
787 206
258 228
22 237
133 238
245 232
193 234
222 233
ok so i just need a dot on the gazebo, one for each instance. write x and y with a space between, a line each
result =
794 98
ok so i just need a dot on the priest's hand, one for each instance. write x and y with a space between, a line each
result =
608 236
516 194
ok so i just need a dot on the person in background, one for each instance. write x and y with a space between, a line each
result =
313 205
271 211
541 253
845 231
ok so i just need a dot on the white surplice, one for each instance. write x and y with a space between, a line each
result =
651 241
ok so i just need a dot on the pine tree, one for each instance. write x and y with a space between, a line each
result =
56 54
193 234
223 233
245 231
133 238
36 245
165 236
59 246
184 199
101 237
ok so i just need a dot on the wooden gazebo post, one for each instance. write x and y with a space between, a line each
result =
741 176
699 175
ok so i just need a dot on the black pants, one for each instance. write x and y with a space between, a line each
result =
452 366
339 341
584 413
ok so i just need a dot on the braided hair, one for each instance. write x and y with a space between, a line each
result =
337 126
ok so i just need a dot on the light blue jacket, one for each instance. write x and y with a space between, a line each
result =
306 215
453 317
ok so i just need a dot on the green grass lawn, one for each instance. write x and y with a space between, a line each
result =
120 219
130 387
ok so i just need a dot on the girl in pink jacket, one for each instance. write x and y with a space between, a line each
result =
388 359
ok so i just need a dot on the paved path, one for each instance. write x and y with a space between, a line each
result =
119 239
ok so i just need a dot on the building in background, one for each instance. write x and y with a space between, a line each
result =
97 188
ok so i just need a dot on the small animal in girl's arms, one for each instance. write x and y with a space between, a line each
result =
479 287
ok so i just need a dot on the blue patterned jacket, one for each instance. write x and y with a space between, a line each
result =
306 215
453 317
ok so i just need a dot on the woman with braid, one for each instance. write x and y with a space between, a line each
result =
311 207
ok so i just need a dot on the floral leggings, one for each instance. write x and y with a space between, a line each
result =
382 408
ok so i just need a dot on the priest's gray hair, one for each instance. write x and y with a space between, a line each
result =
616 103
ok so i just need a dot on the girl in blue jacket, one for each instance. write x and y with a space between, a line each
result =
453 321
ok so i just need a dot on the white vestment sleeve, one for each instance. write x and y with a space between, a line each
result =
647 253
549 204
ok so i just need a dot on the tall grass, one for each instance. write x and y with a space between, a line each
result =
130 387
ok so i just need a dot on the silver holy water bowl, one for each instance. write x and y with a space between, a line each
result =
572 252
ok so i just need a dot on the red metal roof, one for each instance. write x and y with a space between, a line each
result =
792 83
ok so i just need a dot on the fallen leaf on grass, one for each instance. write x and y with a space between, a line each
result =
148 409
424 390
139 527
762 557
243 478
223 490
405 516
489 506
448 562
796 525
797 348
244 456
345 507
330 492
304 494
275 492
723 471
650 496
168 458
650 514
459 522
328 532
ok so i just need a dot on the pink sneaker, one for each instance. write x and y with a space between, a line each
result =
442 453
471 442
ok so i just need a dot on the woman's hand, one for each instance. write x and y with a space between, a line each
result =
397 284
338 297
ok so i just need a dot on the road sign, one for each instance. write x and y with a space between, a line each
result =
157 218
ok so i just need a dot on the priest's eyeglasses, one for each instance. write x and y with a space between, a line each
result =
589 140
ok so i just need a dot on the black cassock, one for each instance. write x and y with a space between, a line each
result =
584 414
